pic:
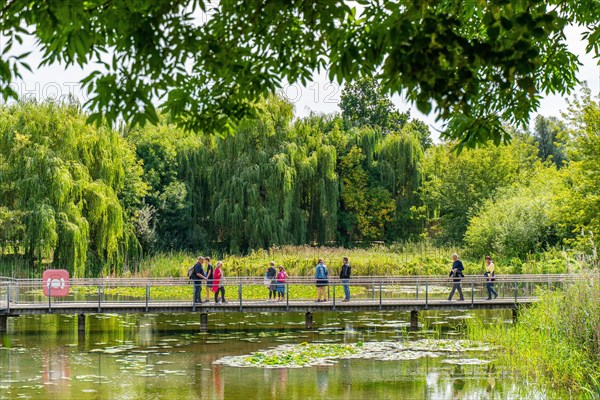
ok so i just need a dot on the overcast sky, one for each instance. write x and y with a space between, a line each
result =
320 95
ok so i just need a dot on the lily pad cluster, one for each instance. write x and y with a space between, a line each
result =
306 355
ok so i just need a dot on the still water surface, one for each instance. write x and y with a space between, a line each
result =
159 356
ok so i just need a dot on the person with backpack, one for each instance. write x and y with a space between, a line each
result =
270 280
345 277
457 274
217 286
209 277
490 277
321 275
198 276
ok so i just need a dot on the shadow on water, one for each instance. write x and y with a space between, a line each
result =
166 356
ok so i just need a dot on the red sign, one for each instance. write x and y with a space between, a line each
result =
56 282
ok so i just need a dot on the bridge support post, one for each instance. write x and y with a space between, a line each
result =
203 322
81 323
414 320
3 323
515 314
309 320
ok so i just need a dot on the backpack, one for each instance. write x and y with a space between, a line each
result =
190 272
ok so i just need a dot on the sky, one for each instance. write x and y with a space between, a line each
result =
320 95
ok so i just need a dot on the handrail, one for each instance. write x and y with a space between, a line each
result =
404 279
372 291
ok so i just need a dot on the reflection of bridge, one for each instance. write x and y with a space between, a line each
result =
248 294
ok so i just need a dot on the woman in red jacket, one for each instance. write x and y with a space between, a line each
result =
217 286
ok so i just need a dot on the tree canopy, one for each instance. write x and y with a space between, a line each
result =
67 190
90 199
478 63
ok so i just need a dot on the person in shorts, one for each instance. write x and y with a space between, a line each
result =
321 277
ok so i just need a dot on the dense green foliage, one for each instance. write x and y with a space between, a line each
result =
520 220
550 135
89 200
279 182
550 206
456 186
479 63
67 190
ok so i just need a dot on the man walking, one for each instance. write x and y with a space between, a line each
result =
457 273
345 277
198 278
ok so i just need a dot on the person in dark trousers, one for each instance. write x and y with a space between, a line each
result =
209 277
217 286
490 277
199 276
345 277
457 274
271 273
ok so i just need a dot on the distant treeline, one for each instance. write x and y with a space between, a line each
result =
92 199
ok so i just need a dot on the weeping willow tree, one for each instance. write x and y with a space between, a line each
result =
380 175
68 182
315 158
399 165
254 180
274 181
271 182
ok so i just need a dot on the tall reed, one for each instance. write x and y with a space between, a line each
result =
556 341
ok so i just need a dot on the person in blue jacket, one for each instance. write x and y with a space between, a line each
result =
321 276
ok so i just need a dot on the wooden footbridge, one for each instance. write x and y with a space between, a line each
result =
249 295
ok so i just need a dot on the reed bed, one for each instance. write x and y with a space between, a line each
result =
556 341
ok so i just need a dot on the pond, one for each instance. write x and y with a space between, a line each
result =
255 356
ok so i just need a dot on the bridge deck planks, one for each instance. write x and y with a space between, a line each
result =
91 307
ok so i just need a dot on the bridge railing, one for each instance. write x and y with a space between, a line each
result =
246 290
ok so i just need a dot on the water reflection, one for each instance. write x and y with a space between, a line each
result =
164 356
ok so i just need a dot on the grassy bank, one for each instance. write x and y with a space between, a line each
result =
556 341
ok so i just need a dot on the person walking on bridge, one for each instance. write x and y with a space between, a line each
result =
345 278
217 286
270 280
321 276
209 277
490 277
281 277
457 274
198 276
